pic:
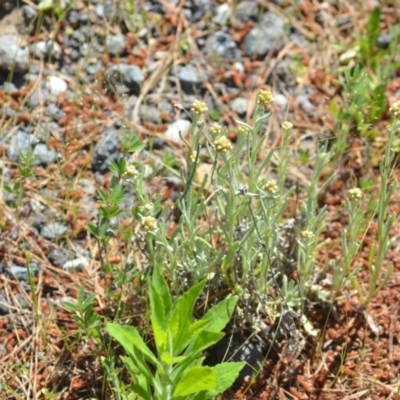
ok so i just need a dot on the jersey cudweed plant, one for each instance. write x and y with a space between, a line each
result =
179 341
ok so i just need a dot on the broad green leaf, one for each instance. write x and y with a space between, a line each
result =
220 314
195 380
156 305
169 360
128 336
141 392
160 334
198 327
226 375
162 289
204 340
136 369
182 316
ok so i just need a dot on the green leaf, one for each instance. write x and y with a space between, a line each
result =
203 341
182 316
220 314
162 289
129 337
196 380
169 360
160 334
136 368
226 375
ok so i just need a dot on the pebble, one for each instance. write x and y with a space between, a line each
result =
54 112
14 54
116 44
221 45
4 306
383 41
21 273
28 12
190 80
268 36
46 48
200 7
21 142
77 264
246 11
125 78
181 125
56 85
39 95
239 105
44 155
222 14
53 230
149 113
58 256
106 151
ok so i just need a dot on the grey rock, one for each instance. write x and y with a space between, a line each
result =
93 68
58 256
181 125
383 41
344 20
38 96
166 107
106 151
222 14
221 45
9 87
200 7
125 78
4 306
28 12
73 17
190 80
116 44
150 114
44 154
21 142
21 273
239 105
268 36
246 11
83 17
99 10
14 54
305 103
46 48
76 264
54 112
53 230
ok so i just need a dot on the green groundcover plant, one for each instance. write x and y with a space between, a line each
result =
180 341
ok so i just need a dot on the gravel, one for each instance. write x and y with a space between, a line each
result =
221 45
125 79
53 230
21 142
14 53
106 151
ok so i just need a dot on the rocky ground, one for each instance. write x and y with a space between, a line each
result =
75 76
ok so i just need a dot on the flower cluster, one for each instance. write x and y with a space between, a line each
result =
198 107
131 172
192 156
149 224
270 186
148 208
215 129
223 144
243 129
287 126
265 97
355 194
306 234
395 109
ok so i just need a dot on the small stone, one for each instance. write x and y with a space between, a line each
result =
268 36
22 273
200 7
21 142
239 105
54 112
246 11
53 230
56 85
116 44
99 10
221 45
181 125
106 151
78 264
58 256
126 78
46 48
190 80
14 54
383 41
44 154
4 306
222 14
38 96
28 12
150 114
